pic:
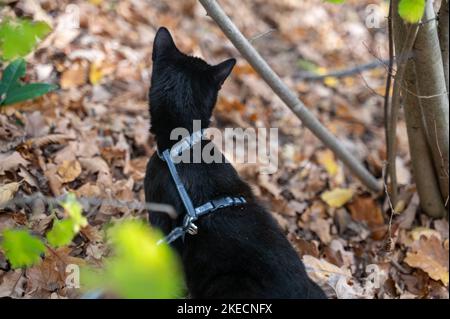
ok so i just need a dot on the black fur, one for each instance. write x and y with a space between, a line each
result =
239 252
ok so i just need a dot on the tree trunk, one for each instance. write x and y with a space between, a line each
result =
443 36
422 162
432 91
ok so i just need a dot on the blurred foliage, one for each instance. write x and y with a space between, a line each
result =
138 268
63 231
21 248
410 10
18 37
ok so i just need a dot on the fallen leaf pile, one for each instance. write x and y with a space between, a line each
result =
91 137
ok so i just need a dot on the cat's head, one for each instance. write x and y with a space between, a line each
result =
183 88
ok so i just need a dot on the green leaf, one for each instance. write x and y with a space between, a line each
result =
139 267
28 91
62 233
18 37
335 1
411 10
14 71
10 78
21 248
75 211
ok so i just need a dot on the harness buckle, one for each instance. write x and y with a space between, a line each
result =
189 225
192 229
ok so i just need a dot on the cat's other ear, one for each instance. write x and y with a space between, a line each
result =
221 71
163 44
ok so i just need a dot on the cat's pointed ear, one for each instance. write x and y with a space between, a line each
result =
163 44
221 71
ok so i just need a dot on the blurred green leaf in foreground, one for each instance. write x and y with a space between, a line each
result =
410 10
138 268
21 248
18 37
63 231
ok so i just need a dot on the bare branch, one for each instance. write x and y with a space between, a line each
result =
286 95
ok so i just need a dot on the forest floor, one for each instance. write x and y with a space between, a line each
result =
91 136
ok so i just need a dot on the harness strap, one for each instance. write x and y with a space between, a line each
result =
180 187
204 209
192 213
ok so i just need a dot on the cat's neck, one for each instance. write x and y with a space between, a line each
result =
167 137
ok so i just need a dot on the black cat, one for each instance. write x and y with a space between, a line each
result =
239 252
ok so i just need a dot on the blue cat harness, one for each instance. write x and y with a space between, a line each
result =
193 214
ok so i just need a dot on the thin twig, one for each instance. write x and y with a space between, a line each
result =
387 93
286 95
395 104
259 36
392 209
308 76
94 201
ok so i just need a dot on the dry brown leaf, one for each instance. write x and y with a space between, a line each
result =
69 170
67 153
54 180
11 161
11 284
91 233
27 177
88 190
348 258
123 190
265 182
51 274
97 165
365 209
96 251
49 139
41 223
304 247
322 228
137 168
418 232
75 76
8 191
321 270
327 274
428 254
